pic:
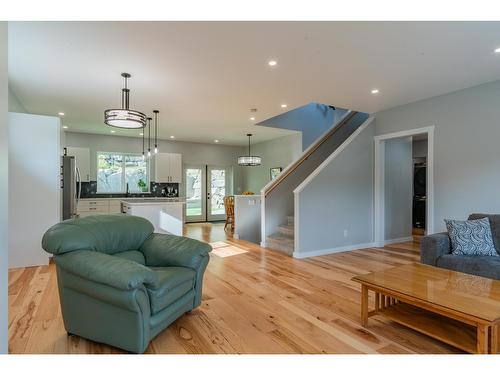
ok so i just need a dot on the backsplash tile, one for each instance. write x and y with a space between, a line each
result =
89 190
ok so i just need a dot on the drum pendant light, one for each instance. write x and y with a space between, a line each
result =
124 117
249 160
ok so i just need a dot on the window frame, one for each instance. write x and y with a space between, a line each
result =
124 172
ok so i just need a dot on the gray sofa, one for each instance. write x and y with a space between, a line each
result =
436 251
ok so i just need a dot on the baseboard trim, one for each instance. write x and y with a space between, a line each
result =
340 249
398 240
263 244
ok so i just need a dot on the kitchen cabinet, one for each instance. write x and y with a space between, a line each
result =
168 167
87 207
82 158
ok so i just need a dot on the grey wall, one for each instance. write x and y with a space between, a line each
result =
340 199
466 151
14 104
398 188
419 149
312 120
192 153
279 152
3 187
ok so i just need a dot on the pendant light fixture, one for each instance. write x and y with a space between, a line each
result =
249 160
156 130
143 154
124 117
149 137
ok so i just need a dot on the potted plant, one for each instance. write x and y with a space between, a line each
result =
142 185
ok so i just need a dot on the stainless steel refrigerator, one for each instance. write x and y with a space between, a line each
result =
72 186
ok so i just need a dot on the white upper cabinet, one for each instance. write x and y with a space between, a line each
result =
176 168
168 167
82 158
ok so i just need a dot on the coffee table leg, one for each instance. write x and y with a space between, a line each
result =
364 305
482 339
494 339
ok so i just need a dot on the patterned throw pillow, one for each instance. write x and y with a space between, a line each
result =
471 237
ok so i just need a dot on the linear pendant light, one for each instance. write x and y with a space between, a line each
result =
149 137
249 160
143 154
156 130
124 117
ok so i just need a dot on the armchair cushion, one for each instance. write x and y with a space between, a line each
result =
173 283
106 269
165 250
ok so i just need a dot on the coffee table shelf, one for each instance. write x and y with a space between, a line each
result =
450 331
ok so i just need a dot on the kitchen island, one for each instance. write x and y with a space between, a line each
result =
166 214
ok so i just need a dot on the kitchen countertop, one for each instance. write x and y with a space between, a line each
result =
133 199
153 201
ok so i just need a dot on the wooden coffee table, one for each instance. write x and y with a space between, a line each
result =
459 309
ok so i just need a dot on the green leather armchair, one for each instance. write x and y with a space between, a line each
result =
120 283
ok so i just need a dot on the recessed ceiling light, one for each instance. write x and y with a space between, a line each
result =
60 113
375 91
216 140
65 127
272 63
172 137
113 131
284 106
252 118
497 50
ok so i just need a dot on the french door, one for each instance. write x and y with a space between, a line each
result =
206 186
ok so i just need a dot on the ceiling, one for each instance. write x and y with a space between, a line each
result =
205 76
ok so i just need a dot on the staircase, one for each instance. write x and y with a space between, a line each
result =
282 240
277 220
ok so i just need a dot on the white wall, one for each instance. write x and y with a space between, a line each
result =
3 188
34 186
192 153
466 151
279 152
398 188
14 104
335 209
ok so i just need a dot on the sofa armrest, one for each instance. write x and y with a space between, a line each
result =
434 246
164 250
106 269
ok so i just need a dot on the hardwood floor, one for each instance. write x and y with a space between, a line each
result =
259 301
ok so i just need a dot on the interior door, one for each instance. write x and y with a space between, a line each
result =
217 189
196 202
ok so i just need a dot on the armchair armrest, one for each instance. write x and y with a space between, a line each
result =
106 269
163 250
434 246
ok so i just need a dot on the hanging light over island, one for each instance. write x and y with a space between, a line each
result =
249 160
125 117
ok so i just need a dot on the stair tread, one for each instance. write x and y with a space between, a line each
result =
281 237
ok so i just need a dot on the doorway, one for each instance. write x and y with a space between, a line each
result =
382 190
206 186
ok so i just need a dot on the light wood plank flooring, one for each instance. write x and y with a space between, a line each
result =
254 302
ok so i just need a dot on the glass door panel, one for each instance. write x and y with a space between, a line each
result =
195 194
217 190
